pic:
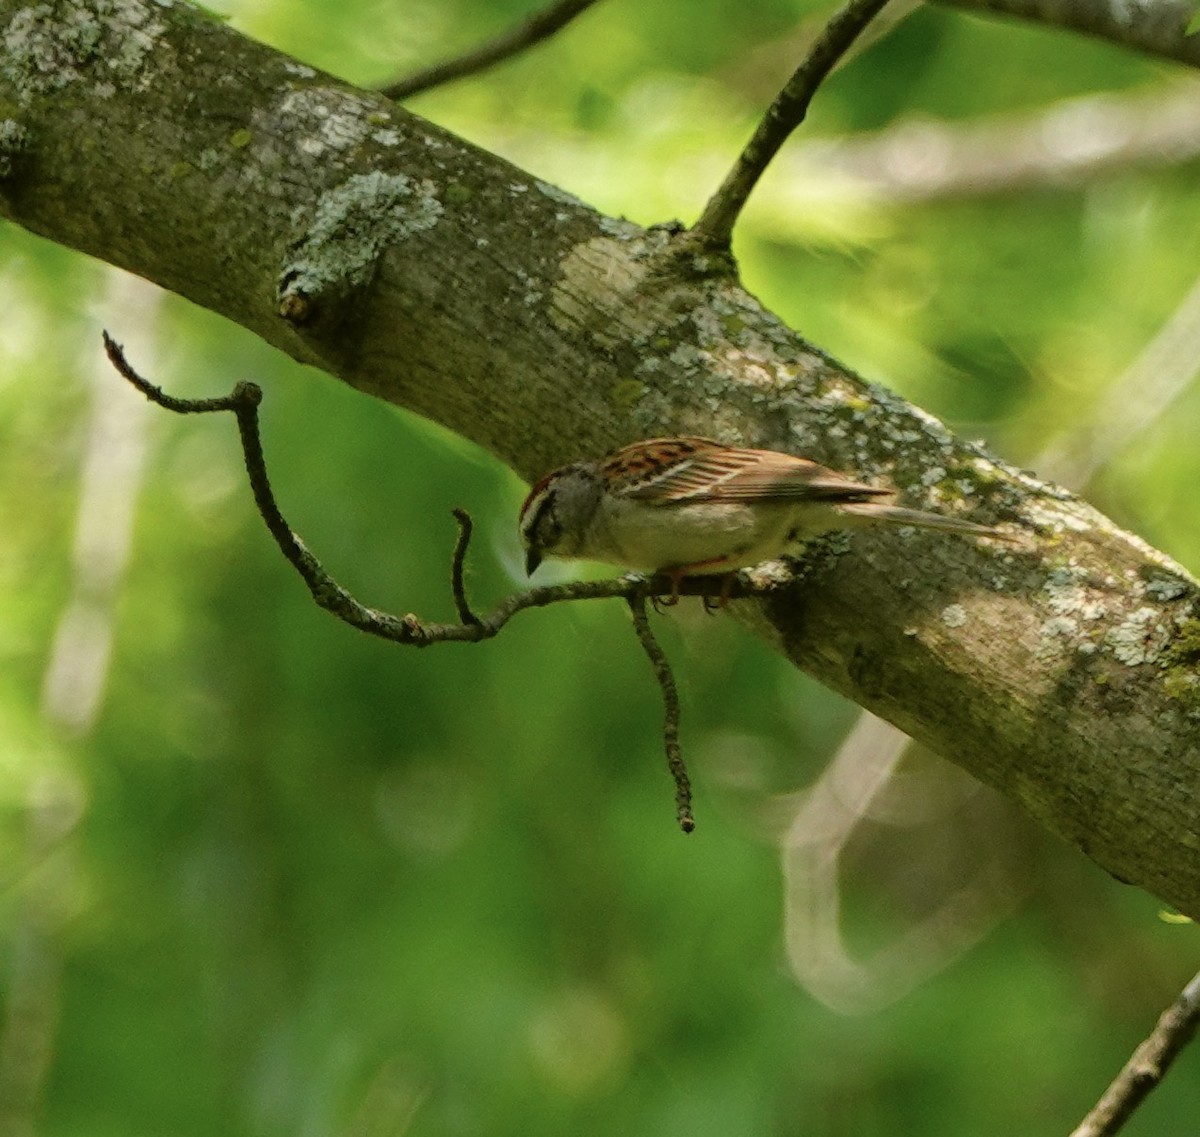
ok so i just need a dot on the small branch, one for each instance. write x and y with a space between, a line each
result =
541 25
1147 1067
670 693
465 528
408 629
714 230
116 356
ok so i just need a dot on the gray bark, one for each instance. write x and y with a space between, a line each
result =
361 239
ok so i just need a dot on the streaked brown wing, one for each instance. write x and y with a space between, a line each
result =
644 469
678 470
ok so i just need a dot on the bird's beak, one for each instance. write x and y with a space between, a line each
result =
532 559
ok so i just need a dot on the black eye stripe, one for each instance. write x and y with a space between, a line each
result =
540 511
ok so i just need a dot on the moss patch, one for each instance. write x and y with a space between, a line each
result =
1182 664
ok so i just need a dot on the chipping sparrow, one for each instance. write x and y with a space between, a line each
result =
692 505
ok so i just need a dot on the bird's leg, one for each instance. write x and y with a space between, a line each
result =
676 573
711 606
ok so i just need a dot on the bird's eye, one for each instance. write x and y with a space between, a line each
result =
541 529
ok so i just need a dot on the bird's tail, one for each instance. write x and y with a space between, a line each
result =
877 512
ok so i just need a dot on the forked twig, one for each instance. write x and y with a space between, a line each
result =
532 30
714 229
1148 1065
243 402
670 693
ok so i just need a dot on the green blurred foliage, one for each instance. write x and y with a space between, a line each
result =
290 880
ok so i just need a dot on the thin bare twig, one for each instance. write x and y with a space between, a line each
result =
666 681
714 230
465 527
330 595
243 403
1146 1068
532 30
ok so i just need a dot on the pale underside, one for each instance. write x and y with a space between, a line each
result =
707 536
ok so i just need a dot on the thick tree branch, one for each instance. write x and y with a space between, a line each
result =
429 273
532 30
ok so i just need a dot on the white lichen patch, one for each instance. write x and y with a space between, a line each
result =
689 356
1140 638
770 574
47 47
1055 636
954 615
620 228
1035 485
802 436
987 470
530 293
932 475
353 224
1160 559
1077 604
561 196
757 375
710 324
1165 588
13 140
325 120
1132 13
933 425
1056 516
1068 595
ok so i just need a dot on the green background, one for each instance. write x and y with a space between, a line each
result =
284 879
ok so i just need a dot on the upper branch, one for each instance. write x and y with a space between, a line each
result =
541 25
715 227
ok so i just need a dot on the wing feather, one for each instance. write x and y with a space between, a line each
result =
671 471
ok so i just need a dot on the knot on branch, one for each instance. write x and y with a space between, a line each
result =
352 225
